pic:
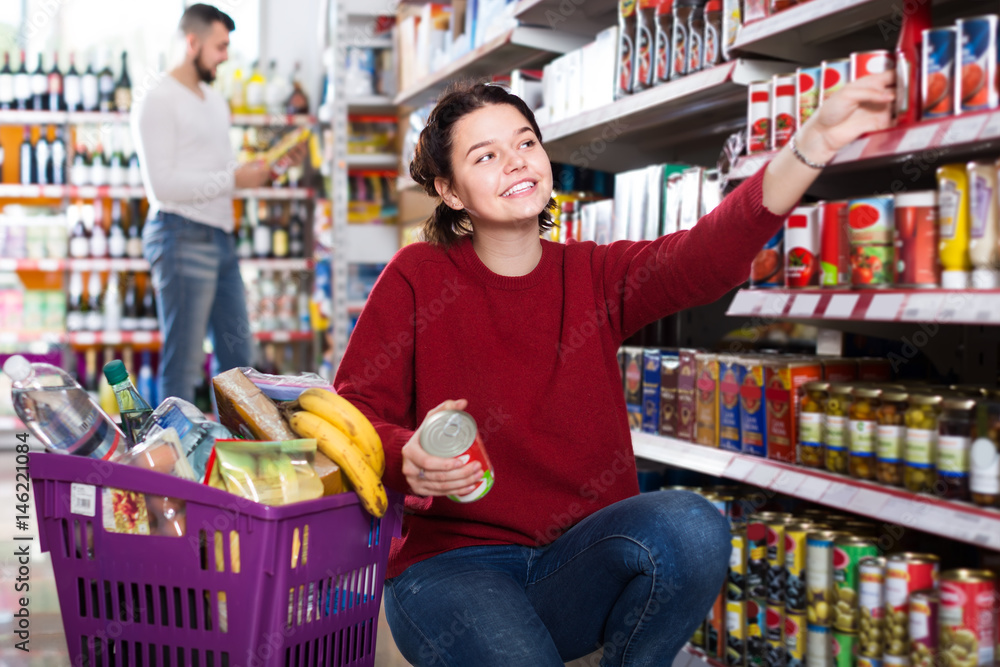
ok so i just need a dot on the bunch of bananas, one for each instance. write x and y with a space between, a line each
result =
347 438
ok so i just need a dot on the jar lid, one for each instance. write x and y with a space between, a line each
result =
894 395
958 403
816 385
925 399
867 392
841 388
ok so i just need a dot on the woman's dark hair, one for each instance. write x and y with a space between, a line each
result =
432 158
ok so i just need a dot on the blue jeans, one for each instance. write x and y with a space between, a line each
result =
199 291
635 578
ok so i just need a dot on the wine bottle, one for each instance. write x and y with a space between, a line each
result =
255 91
244 240
146 384
98 236
296 233
134 174
261 230
95 309
72 91
116 235
29 169
75 316
123 89
39 88
54 85
298 101
106 86
98 167
58 158
90 96
279 233
80 171
274 91
6 84
238 93
79 234
148 321
116 164
130 304
113 303
43 158
22 86
133 248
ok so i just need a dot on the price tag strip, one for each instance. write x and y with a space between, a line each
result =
922 307
804 305
884 306
746 302
918 138
841 306
964 130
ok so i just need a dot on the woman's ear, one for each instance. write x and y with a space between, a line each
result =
448 196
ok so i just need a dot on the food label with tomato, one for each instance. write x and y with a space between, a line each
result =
968 618
870 220
783 118
938 70
731 374
977 82
802 247
835 75
807 92
752 418
759 117
871 265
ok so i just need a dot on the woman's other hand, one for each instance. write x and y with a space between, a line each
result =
435 476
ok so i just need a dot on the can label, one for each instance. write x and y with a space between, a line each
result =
916 246
736 586
862 437
756 641
835 75
845 649
938 72
953 455
870 220
715 628
680 50
686 399
871 594
451 431
752 416
923 630
919 448
795 569
783 116
669 372
759 117
767 269
977 83
819 646
871 265
834 438
795 639
868 660
811 429
802 247
777 575
845 580
890 443
775 623
968 621
736 645
904 576
819 580
713 45
871 62
663 41
731 372
694 54
757 565
834 250
807 92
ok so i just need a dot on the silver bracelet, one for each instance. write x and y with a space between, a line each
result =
802 158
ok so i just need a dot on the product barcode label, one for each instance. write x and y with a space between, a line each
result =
82 499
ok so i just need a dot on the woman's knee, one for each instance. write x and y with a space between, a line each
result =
689 526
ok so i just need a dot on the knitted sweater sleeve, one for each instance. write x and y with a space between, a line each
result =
376 373
647 280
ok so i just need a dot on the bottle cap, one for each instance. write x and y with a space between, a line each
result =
115 372
18 368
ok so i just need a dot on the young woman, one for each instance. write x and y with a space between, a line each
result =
562 556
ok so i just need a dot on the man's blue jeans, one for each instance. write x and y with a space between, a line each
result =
199 291
635 578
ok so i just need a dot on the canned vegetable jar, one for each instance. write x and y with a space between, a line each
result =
863 425
871 220
736 585
871 604
923 626
812 411
906 573
835 427
872 265
777 575
784 122
759 117
967 618
757 568
891 435
756 641
921 442
453 434
736 638
820 597
955 430
984 455
802 247
847 553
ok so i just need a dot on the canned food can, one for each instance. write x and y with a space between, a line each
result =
775 619
736 644
835 247
795 639
835 74
845 649
895 661
923 627
977 79
865 63
868 661
847 554
967 618
731 372
756 639
698 638
905 574
715 628
777 575
784 120
802 247
916 222
871 600
759 117
819 646
820 601
775 653
870 220
807 92
736 585
872 265
453 434
768 267
757 566
796 535
938 70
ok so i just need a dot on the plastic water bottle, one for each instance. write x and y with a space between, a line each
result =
59 412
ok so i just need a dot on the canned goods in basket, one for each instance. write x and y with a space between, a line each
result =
923 626
906 573
819 646
453 433
938 72
977 78
845 649
847 554
916 215
967 618
871 595
871 62
795 640
835 75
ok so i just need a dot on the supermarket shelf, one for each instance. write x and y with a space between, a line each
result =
700 105
279 264
372 161
107 265
32 117
106 117
17 191
518 47
40 265
275 193
273 120
97 117
283 336
954 520
579 18
49 337
878 305
373 103
101 338
971 135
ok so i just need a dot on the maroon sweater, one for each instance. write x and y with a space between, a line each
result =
536 357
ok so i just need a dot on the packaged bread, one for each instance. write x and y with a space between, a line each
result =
329 473
246 411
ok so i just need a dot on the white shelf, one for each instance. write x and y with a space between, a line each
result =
16 191
372 161
954 520
40 265
292 264
579 18
107 265
275 193
102 338
33 117
273 120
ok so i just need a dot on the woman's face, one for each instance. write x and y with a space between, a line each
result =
500 172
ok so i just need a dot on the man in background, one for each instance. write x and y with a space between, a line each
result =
181 131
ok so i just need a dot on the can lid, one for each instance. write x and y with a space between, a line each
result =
914 557
448 433
816 385
872 561
806 526
958 403
918 198
831 535
841 388
853 539
895 395
925 399
867 392
968 575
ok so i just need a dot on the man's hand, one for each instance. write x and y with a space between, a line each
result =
254 174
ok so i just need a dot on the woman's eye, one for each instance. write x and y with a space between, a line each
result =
483 158
529 143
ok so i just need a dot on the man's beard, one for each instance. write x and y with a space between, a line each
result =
204 74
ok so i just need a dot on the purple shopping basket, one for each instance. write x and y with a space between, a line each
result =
248 585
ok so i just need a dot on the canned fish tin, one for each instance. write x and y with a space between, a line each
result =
835 75
938 71
759 117
784 120
736 628
775 656
845 649
807 92
819 646
906 573
777 575
968 618
871 602
871 62
453 433
802 247
871 220
923 628
847 553
977 79
768 267
819 577
916 216
795 639
796 536
736 585
871 265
